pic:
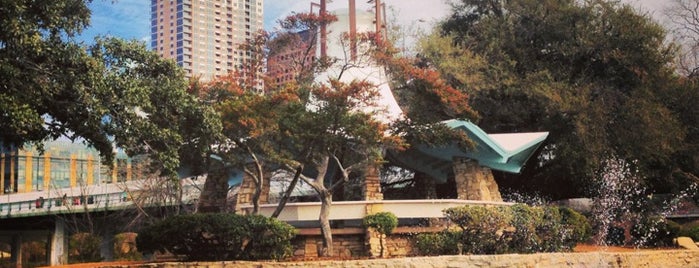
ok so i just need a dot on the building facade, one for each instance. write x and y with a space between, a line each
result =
289 54
203 36
62 164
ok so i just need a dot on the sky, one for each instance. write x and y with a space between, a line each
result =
130 19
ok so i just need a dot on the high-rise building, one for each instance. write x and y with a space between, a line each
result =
204 36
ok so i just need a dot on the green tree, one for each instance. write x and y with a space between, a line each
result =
114 94
591 73
253 140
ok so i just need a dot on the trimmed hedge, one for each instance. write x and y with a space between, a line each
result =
218 236
515 229
435 244
383 222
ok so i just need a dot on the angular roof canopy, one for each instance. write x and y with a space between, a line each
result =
504 152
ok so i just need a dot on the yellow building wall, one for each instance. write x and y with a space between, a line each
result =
128 171
90 172
114 173
12 171
73 171
47 171
27 172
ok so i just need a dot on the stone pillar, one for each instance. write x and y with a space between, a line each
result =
16 250
373 241
371 191
247 190
474 182
58 254
214 196
107 244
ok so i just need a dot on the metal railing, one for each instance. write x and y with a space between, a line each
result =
82 199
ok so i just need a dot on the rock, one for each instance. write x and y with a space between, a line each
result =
686 242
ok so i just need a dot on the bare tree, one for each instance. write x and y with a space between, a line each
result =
683 16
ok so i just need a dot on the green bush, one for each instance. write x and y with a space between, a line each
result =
218 236
434 244
482 227
692 232
577 226
383 222
654 232
84 247
515 229
525 222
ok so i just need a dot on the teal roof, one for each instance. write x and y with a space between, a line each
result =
504 152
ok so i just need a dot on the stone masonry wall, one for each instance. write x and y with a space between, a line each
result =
371 188
659 258
247 190
354 246
474 182
345 246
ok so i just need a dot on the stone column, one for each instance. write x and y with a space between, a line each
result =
58 254
247 190
371 191
474 182
16 250
214 196
107 245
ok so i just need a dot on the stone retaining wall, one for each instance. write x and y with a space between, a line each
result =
648 258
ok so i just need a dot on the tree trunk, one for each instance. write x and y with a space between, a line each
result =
324 218
287 193
256 196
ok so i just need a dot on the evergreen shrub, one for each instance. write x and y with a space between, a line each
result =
508 229
434 244
218 236
691 232
382 222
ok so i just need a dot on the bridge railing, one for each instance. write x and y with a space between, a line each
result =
87 199
356 210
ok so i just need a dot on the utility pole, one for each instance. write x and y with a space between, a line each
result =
353 29
323 29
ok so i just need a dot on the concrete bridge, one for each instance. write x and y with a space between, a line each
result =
46 215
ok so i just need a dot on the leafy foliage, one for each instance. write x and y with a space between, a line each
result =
442 243
112 94
481 227
595 74
517 229
383 222
84 247
655 232
692 232
218 236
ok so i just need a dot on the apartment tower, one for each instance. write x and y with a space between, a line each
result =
203 36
